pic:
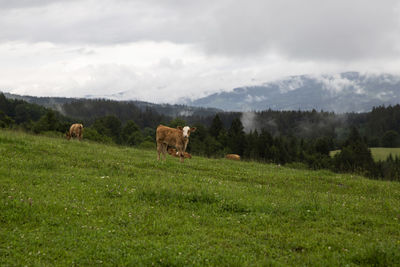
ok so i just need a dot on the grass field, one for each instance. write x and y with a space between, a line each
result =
381 153
80 203
378 153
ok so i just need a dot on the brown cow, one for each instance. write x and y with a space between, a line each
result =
76 130
177 137
233 156
174 153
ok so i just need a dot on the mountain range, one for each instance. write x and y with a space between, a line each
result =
340 93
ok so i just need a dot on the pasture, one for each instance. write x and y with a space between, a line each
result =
81 203
378 153
381 153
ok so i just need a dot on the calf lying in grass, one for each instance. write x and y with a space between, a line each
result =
174 153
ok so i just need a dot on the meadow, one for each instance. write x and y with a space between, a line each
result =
69 203
378 153
381 153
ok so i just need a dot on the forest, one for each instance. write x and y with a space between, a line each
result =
301 139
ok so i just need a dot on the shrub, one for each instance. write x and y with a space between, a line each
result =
93 135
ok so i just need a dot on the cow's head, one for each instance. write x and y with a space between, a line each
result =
186 130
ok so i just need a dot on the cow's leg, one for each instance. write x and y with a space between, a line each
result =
159 149
164 151
181 155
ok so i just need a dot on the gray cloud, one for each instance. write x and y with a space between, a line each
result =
333 30
102 21
311 29
164 50
5 4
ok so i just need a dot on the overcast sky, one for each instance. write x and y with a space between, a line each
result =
165 50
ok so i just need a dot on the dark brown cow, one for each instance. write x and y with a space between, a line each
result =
175 137
76 130
233 156
174 153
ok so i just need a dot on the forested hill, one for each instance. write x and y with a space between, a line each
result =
68 106
375 125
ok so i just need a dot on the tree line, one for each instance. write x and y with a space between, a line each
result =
299 138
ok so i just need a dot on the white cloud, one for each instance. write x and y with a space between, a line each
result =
165 50
385 96
254 99
336 84
293 84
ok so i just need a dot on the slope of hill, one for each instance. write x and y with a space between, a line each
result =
345 92
82 203
57 103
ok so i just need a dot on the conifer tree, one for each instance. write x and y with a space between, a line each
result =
216 127
236 137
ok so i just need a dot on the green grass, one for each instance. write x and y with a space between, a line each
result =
381 153
81 203
378 153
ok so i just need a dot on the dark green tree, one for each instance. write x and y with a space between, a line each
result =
252 150
355 156
264 144
131 134
216 127
149 132
5 121
177 122
48 122
390 139
197 143
236 137
323 145
212 147
109 126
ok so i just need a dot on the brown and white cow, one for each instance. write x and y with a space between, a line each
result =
174 153
76 130
176 137
233 156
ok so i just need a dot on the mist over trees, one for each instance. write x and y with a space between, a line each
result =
298 138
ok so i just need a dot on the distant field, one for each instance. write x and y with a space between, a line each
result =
378 153
81 203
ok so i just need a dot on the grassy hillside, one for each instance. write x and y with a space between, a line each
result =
381 153
378 153
82 203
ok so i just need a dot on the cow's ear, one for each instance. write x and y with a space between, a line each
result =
193 129
179 128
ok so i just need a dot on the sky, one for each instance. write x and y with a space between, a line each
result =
166 51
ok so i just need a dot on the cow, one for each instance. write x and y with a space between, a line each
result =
174 153
233 156
176 137
76 130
